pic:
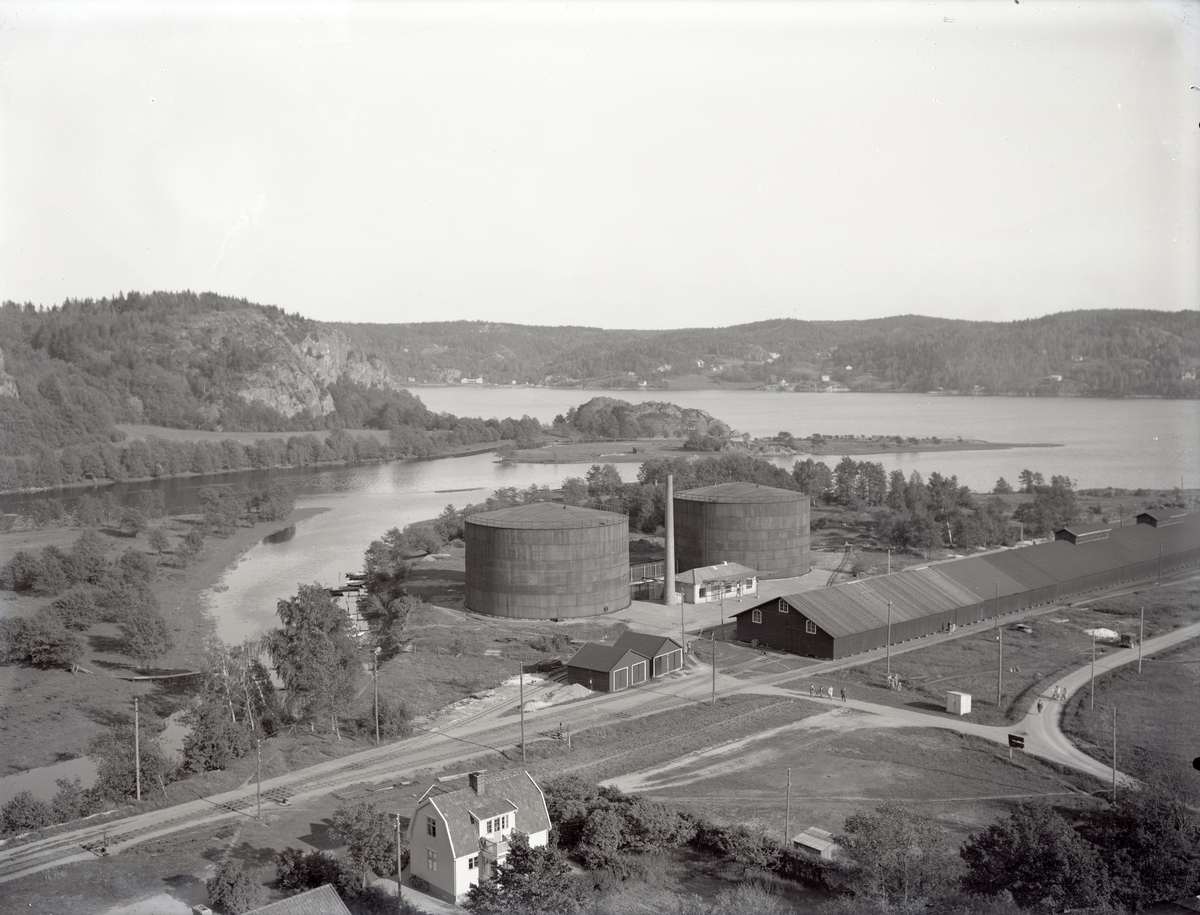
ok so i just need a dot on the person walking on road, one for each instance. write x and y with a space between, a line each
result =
831 694
843 694
1039 706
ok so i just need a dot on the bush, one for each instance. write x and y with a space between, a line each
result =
232 891
24 813
34 643
297 871
77 608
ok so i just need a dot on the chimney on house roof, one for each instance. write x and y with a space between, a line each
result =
477 782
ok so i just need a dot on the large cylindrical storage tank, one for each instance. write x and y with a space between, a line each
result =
547 561
759 526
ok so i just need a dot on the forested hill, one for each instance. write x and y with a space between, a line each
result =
69 374
1092 353
202 361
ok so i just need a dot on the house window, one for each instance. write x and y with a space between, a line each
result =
504 821
756 616
431 860
783 607
489 826
472 862
431 826
810 627
703 592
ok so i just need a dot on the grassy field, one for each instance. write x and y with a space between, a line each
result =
1158 712
50 715
1059 643
135 431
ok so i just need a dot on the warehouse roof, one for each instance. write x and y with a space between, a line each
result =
862 606
546 516
740 492
722 571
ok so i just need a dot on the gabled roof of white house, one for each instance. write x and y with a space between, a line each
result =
513 792
722 571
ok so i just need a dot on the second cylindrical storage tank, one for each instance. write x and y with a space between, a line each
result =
546 560
759 526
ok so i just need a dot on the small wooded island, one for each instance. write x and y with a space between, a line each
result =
616 431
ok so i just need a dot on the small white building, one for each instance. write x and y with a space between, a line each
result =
958 703
456 836
712 583
817 842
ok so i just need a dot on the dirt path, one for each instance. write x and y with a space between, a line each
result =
1042 731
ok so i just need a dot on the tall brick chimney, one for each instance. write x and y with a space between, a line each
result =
477 782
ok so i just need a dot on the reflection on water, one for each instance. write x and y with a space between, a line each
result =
282 536
41 781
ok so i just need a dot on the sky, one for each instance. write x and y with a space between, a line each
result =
632 165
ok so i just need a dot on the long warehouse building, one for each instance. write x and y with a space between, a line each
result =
856 617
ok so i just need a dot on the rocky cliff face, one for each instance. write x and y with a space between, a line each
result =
8 387
279 363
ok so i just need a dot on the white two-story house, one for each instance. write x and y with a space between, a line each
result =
457 835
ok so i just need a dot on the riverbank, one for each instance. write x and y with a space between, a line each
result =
47 716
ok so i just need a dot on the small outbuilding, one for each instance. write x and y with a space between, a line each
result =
664 653
324 900
1162 517
607 668
818 843
712 583
1083 533
958 703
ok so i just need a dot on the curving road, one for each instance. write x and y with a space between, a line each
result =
497 728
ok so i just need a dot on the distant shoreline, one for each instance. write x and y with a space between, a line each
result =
629 451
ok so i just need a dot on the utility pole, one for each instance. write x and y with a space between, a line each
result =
1000 667
1114 754
399 870
1141 638
137 749
713 639
682 636
375 678
1093 686
787 816
889 560
1159 565
889 643
522 681
258 774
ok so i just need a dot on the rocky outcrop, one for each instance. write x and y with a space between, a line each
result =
607 417
282 363
8 386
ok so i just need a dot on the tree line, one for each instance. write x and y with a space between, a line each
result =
1098 353
81 368
1122 856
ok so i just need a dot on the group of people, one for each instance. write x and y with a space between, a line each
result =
821 692
1059 692
894 682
